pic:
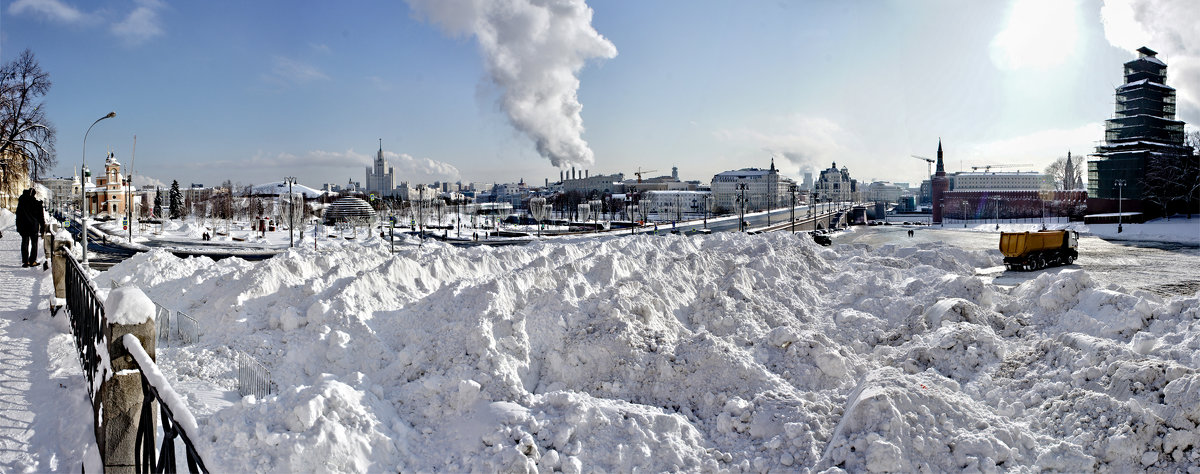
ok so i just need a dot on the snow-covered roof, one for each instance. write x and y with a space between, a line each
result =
279 188
1154 60
745 172
1141 82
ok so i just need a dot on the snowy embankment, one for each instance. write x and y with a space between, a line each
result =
679 353
1179 230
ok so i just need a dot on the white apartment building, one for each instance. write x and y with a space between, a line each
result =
836 185
675 205
763 188
883 191
1001 181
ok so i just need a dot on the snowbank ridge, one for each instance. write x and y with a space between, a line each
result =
722 352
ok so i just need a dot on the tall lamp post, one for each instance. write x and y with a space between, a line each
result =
741 187
83 186
964 214
792 188
996 199
290 180
708 200
1120 184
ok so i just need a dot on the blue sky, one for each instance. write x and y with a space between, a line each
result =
254 91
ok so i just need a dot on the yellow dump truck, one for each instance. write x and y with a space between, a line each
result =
1035 250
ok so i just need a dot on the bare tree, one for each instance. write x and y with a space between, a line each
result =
24 129
1191 176
1160 184
1057 170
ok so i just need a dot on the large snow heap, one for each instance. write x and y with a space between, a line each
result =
745 353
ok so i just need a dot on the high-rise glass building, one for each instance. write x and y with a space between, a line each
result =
1143 127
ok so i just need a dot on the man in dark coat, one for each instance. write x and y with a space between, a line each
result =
30 223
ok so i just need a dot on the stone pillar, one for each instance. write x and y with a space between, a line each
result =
121 398
59 248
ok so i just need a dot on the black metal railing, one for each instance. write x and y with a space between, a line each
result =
87 323
147 460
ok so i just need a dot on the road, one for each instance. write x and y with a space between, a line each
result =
1163 268
753 221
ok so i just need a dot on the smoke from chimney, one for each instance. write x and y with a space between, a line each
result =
533 51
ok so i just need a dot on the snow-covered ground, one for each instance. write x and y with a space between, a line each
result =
44 405
1178 229
728 351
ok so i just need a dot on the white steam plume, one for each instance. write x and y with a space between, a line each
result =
533 50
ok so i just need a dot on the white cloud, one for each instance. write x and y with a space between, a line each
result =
140 180
1171 27
797 139
380 83
287 71
1039 34
141 24
53 10
1037 149
409 168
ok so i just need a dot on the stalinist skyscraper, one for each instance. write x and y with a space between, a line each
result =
380 182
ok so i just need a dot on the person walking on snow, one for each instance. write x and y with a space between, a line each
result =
31 221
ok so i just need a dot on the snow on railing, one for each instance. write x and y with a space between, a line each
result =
177 420
87 326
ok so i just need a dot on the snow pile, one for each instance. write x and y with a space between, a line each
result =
128 305
728 351
7 219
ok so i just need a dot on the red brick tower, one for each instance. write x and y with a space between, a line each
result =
939 184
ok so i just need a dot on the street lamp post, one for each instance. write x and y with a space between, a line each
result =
707 205
1120 184
964 214
291 212
742 201
996 199
792 188
83 186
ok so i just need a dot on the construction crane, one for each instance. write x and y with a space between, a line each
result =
987 168
928 163
639 173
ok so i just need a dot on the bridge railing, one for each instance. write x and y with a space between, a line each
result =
86 312
177 420
113 427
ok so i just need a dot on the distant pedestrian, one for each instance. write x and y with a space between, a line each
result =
910 232
31 221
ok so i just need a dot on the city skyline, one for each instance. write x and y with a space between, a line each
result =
253 92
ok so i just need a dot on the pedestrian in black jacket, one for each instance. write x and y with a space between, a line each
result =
30 223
